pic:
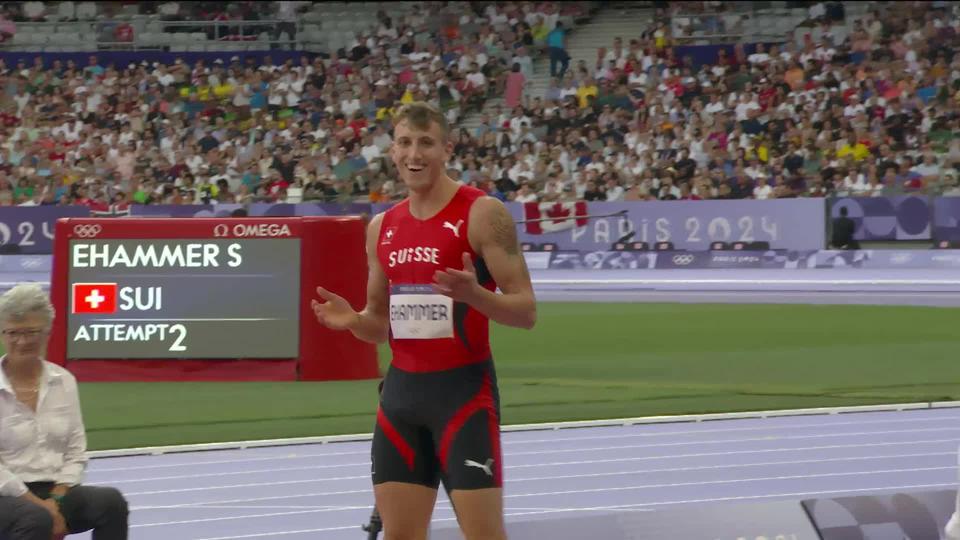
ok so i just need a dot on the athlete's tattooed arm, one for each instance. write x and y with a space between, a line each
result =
493 236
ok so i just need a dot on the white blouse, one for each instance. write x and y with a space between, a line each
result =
47 445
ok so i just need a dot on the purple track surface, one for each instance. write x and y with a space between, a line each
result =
324 491
918 287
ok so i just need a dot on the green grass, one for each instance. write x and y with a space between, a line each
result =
589 361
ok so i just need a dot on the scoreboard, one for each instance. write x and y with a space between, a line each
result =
183 298
163 295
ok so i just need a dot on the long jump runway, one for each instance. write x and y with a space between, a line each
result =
324 491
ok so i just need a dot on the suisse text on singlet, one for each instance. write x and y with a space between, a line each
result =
197 255
413 254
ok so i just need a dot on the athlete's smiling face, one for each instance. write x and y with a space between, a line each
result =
420 155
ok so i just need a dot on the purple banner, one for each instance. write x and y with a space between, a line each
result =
309 209
31 227
780 260
689 225
946 219
789 224
40 264
683 259
693 225
902 217
183 210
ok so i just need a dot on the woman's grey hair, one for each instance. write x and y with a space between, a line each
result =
23 300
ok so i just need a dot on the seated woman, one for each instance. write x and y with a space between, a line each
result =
42 439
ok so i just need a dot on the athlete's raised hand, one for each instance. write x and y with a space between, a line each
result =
334 312
461 285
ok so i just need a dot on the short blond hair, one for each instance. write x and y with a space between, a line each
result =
420 114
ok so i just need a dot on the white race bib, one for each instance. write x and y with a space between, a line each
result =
417 312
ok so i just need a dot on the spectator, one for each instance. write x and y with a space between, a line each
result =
789 114
287 16
762 190
7 27
44 455
843 231
516 81
557 49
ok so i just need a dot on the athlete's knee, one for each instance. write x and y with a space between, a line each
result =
403 526
481 525
405 510
480 514
491 532
413 534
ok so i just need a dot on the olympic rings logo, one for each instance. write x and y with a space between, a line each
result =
682 260
87 231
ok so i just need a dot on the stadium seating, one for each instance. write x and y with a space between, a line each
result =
856 102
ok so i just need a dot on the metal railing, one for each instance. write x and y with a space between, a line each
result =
154 35
713 28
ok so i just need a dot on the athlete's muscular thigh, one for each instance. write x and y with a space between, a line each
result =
480 513
466 430
403 449
405 510
474 477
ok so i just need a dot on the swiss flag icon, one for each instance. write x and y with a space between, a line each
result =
388 235
94 297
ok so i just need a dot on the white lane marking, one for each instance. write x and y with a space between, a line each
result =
594 508
521 479
507 443
589 462
641 458
567 450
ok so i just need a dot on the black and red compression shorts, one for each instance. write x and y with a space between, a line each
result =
441 426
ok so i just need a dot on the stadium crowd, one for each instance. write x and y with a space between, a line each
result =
865 109
250 129
869 111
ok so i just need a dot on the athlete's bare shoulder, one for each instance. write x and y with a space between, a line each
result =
491 222
373 234
486 206
373 227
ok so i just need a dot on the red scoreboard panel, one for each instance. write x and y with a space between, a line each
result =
224 299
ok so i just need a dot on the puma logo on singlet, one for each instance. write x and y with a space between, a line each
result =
483 466
454 228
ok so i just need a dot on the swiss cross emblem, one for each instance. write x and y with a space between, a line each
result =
388 235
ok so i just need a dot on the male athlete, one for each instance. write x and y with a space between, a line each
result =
436 260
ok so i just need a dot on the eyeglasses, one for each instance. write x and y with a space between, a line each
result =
27 333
